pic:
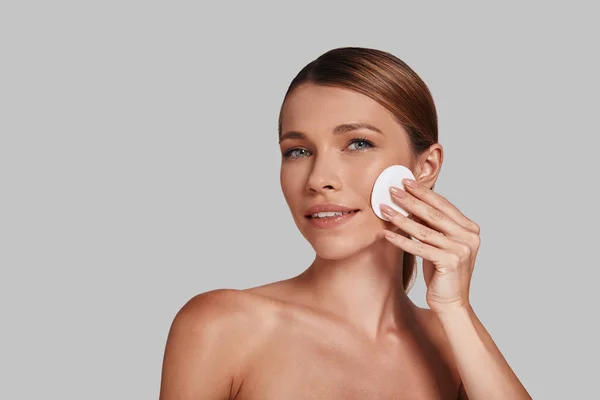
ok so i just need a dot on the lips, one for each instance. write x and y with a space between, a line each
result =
329 220
328 207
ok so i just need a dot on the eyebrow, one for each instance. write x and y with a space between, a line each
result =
338 130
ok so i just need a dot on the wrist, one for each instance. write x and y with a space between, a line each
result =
451 313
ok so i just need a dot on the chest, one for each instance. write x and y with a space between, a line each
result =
288 369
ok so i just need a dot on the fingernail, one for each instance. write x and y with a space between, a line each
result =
411 183
398 192
387 210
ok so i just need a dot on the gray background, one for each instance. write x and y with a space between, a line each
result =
139 166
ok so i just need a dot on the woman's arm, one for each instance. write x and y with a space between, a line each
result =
448 242
484 372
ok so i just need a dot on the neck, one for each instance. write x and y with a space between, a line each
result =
364 289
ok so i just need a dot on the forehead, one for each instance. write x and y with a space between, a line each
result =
312 107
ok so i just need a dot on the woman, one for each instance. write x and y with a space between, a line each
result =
345 328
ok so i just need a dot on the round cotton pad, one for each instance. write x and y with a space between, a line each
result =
391 176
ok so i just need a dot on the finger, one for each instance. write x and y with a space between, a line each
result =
428 214
418 231
440 203
437 256
428 271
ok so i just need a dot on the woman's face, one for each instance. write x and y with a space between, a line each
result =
323 165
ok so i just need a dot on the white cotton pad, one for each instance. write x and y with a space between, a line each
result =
391 176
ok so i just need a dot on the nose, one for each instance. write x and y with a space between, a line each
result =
325 176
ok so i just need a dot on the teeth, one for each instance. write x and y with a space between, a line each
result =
329 214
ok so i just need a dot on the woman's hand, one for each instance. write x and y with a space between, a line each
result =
447 241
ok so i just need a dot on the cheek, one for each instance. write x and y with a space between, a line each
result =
362 181
291 185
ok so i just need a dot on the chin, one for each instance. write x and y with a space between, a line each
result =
342 246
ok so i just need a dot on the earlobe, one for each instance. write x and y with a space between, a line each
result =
422 177
424 174
430 165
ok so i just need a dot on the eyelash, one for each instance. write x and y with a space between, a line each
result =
370 144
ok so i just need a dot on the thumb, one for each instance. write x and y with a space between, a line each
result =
428 271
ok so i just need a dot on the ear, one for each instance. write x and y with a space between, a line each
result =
429 165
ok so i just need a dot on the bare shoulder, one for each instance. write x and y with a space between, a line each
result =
208 342
223 316
221 305
431 323
435 331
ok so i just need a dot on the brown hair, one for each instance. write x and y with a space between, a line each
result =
390 82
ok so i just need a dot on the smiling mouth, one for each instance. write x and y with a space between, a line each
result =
330 214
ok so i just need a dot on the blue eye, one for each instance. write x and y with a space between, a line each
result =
363 144
359 144
295 153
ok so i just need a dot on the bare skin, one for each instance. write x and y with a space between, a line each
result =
269 343
344 328
312 354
